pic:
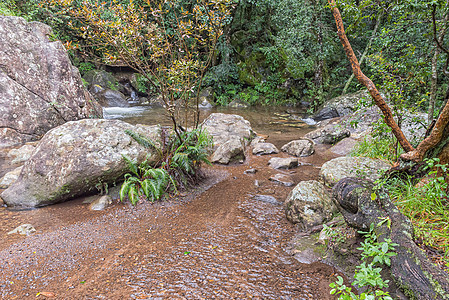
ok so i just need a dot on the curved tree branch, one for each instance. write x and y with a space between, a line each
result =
363 79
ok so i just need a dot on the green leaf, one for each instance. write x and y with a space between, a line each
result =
124 190
384 247
133 195
132 166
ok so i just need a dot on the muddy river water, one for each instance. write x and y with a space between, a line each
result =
228 239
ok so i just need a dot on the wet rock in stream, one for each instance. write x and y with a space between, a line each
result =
264 149
283 163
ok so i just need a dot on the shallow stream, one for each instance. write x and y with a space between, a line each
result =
229 239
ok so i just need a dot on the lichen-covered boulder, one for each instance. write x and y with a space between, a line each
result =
223 127
76 158
264 148
338 168
309 204
39 87
299 148
231 151
340 106
329 134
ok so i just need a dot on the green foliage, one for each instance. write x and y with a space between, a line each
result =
400 57
336 235
380 145
178 166
374 253
426 205
7 8
85 67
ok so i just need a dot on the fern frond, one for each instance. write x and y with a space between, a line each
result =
132 166
144 141
133 194
124 189
182 161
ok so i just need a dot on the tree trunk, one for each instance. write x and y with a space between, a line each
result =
363 79
435 145
434 80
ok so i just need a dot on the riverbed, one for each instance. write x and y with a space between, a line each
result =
227 239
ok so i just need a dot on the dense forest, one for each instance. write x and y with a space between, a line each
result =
271 52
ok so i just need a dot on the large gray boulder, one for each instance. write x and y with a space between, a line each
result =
231 134
329 134
39 87
309 204
360 122
341 167
340 106
76 158
112 98
223 127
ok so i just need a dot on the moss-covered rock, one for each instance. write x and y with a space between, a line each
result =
361 205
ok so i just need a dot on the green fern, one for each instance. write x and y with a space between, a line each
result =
178 166
144 141
132 166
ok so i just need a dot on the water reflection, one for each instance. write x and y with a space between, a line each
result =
281 124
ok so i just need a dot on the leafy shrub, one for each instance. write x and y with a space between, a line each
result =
178 165
367 275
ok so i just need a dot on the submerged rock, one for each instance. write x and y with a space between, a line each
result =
101 203
39 87
76 158
309 204
299 148
338 168
266 199
282 179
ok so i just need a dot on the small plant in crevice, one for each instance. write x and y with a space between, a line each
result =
375 253
177 166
